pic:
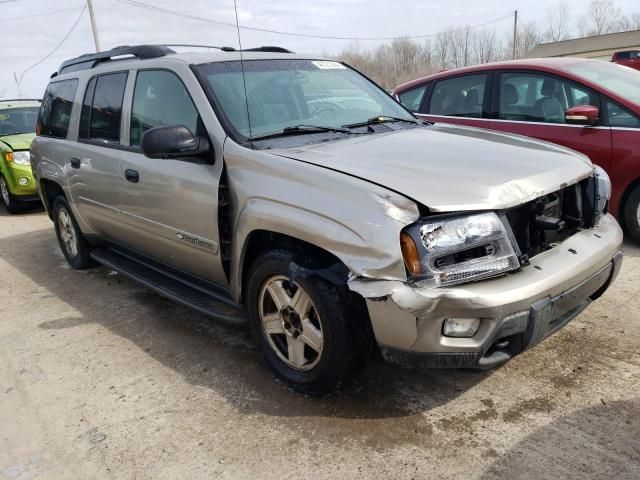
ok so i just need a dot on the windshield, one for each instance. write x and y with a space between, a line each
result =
289 93
18 120
622 80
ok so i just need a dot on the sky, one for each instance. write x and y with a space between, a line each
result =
26 41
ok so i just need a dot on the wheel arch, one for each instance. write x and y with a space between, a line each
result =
49 190
261 240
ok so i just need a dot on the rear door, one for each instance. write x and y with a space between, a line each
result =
170 206
94 163
533 104
461 100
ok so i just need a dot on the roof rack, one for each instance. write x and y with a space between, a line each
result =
142 52
90 60
3 100
271 49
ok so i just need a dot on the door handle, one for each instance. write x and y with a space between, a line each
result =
75 163
132 175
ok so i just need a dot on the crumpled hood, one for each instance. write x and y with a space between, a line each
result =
21 141
452 168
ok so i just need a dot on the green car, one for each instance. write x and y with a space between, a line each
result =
17 130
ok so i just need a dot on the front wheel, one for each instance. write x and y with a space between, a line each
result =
72 243
313 334
12 205
632 214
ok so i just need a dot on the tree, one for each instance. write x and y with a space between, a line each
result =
602 17
557 18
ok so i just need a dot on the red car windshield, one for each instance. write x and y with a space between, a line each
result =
622 80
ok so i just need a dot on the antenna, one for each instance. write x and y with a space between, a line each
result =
244 81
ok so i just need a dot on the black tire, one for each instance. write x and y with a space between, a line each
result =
79 259
346 333
11 204
631 214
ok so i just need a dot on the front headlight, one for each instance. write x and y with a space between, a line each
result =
457 250
603 192
19 158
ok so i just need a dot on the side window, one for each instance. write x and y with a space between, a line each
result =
160 99
55 111
412 99
534 97
102 107
621 117
459 96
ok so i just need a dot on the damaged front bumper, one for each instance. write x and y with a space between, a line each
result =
516 311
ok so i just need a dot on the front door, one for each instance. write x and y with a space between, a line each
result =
170 206
533 104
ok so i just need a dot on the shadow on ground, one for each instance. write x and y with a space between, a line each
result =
545 453
219 357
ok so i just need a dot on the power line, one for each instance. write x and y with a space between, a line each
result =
39 14
136 3
73 27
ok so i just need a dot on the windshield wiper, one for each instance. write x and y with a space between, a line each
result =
302 129
381 119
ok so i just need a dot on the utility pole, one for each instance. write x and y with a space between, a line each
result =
94 27
515 32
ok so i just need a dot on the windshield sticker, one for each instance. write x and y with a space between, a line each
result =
4 116
325 65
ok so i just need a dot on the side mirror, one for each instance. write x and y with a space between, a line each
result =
582 115
176 141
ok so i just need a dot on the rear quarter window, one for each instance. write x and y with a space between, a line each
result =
412 99
55 111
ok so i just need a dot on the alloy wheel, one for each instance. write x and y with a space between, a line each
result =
4 191
291 323
67 233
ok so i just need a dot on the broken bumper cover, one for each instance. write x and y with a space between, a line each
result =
516 311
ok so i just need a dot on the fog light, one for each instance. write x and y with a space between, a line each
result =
460 327
23 181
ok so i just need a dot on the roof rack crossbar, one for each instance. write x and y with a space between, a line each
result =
90 60
143 52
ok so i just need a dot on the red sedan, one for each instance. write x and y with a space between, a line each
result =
588 105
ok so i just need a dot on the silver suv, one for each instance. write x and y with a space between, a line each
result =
294 194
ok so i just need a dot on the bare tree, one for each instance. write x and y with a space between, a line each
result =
602 17
528 36
557 20
628 22
441 50
485 46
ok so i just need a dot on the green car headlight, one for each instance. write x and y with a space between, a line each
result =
19 158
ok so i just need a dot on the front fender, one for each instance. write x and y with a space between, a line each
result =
354 220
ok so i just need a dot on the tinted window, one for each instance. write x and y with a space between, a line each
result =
459 96
534 97
104 95
413 98
160 99
621 117
85 116
18 120
55 111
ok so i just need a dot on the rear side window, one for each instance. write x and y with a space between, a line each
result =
102 107
459 96
160 99
55 111
413 98
621 117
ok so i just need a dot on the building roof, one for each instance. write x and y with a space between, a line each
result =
576 46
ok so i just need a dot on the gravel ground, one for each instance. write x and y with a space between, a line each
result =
100 378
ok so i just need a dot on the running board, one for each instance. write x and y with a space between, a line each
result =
171 286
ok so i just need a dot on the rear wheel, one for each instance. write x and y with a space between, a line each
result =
72 243
12 205
632 214
313 334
